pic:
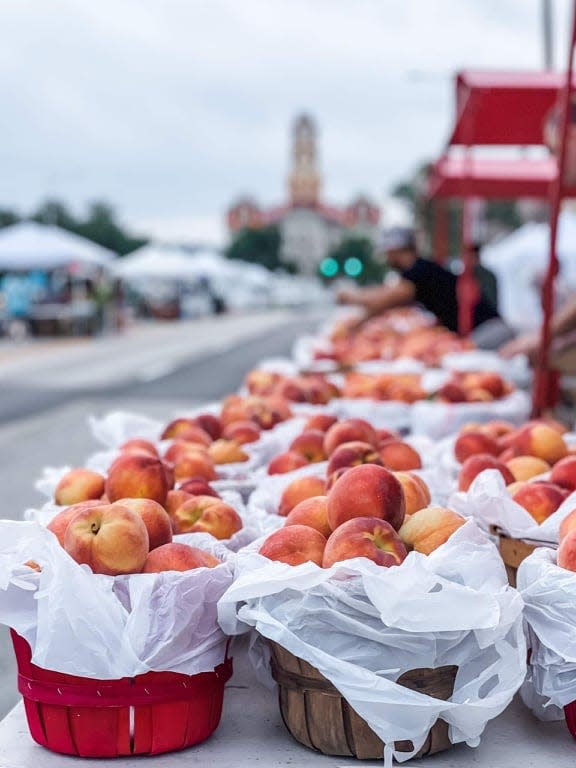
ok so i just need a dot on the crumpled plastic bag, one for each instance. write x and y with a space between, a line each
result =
489 503
362 626
107 627
474 360
549 594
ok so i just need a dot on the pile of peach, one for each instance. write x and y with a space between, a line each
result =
344 444
521 455
124 522
368 512
313 388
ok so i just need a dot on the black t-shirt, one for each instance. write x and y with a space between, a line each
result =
436 291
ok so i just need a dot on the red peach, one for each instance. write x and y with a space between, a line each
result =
399 456
207 515
138 445
294 545
79 485
427 529
227 452
366 491
154 517
321 421
241 432
476 464
197 486
310 445
210 424
473 443
137 477
178 557
567 552
59 522
539 499
177 427
175 499
286 462
365 537
526 467
298 490
542 441
567 525
348 431
352 455
416 492
312 512
564 473
194 465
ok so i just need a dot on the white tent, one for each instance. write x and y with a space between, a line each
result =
29 245
520 261
157 262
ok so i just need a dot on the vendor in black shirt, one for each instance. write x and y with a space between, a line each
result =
428 284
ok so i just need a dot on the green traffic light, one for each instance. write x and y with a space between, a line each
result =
329 267
353 266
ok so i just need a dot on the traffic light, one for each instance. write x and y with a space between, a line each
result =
353 266
328 267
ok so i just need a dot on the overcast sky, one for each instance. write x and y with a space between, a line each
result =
171 108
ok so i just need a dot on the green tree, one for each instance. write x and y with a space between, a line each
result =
355 258
56 214
8 217
258 246
101 226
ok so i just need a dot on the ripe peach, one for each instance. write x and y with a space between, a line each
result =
312 512
366 491
564 473
498 428
298 490
138 445
177 427
321 421
399 456
352 454
336 475
208 515
175 499
79 485
227 452
567 525
506 455
210 424
513 487
241 432
197 486
567 552
137 477
110 539
492 383
348 431
476 464
386 434
472 443
286 462
178 557
194 465
427 529
180 448
310 445
59 522
452 392
540 499
155 519
262 382
365 537
542 441
294 545
526 467
416 492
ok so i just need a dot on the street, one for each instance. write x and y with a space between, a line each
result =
43 420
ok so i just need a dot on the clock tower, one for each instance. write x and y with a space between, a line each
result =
304 180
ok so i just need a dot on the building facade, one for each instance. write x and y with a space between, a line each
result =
309 228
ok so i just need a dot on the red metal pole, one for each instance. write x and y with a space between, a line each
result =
441 231
545 393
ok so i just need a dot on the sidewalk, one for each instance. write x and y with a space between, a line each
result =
143 352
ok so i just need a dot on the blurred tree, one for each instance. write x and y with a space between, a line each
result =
55 214
102 227
354 257
258 246
8 217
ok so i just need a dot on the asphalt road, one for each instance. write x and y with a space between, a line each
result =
40 427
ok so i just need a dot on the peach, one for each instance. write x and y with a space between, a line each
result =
207 515
298 490
312 512
492 383
540 499
178 557
170 474
506 455
197 486
542 441
476 464
177 427
210 424
513 487
386 434
180 448
452 392
194 465
262 382
137 477
241 432
294 545
472 443
59 522
567 525
526 467
321 422
427 529
567 552
110 539
399 456
175 499
286 462
365 537
553 423
155 519
348 431
310 445
227 452
79 485
564 473
416 492
139 445
352 455
336 475
498 428
366 491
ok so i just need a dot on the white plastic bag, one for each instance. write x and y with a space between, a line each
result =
106 627
516 369
362 626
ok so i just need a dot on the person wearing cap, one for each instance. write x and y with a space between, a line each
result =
426 283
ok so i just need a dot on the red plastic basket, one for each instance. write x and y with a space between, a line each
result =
144 715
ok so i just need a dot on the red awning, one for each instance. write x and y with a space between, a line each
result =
496 108
460 176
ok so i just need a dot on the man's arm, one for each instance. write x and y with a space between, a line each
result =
563 322
377 299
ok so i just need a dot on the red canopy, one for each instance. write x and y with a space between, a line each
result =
503 107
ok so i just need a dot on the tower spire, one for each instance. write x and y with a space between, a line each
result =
304 179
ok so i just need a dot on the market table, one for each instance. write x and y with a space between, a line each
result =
252 733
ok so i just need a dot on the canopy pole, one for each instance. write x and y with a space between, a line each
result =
467 289
546 390
440 244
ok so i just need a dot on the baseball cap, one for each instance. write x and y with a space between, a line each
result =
396 239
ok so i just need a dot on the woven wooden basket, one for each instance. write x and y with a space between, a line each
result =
514 551
317 716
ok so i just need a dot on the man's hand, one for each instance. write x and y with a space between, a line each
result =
346 296
523 345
